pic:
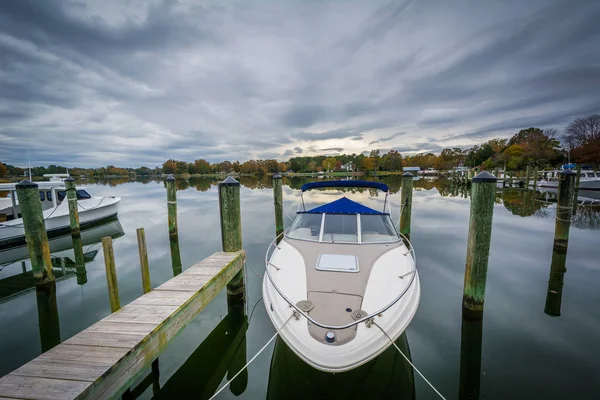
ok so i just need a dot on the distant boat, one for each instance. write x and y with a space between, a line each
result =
429 172
589 180
92 211
341 268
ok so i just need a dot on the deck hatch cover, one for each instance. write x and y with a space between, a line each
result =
338 263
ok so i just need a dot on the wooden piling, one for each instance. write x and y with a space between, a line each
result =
75 230
47 309
510 179
80 269
231 236
535 177
564 209
278 203
405 215
35 230
111 274
483 194
576 191
173 231
143 253
73 212
527 175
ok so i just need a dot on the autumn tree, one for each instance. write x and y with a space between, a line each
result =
181 167
3 170
583 131
367 164
200 166
583 139
392 161
329 164
374 155
169 167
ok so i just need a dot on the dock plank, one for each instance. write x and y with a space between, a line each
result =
63 370
92 354
122 327
105 359
163 297
21 387
104 339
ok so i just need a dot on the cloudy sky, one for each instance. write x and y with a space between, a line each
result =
134 82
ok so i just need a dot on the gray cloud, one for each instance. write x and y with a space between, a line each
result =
137 83
388 138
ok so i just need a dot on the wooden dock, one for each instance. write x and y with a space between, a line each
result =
104 360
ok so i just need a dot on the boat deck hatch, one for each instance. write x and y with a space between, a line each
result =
337 262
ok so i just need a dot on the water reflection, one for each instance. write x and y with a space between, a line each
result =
388 376
220 355
470 356
111 227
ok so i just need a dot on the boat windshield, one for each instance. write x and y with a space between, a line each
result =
340 229
377 229
306 227
343 228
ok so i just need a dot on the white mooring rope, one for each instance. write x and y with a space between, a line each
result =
407 360
252 359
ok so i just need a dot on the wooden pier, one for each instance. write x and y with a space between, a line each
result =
104 360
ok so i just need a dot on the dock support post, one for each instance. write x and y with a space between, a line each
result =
80 269
231 237
576 191
510 179
75 231
35 230
111 274
49 324
173 234
527 176
535 177
405 215
278 203
483 194
564 208
73 212
143 252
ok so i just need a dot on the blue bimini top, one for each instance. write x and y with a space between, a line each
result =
345 183
343 206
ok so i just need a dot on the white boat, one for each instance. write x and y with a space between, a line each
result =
588 180
339 278
429 172
92 211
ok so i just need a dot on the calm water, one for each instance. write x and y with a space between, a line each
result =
525 353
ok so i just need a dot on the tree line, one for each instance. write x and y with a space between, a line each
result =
546 148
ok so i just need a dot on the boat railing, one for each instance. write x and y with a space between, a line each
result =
413 272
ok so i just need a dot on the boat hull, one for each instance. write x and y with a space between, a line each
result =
92 212
387 280
583 184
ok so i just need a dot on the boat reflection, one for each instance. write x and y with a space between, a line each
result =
111 227
387 376
63 265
